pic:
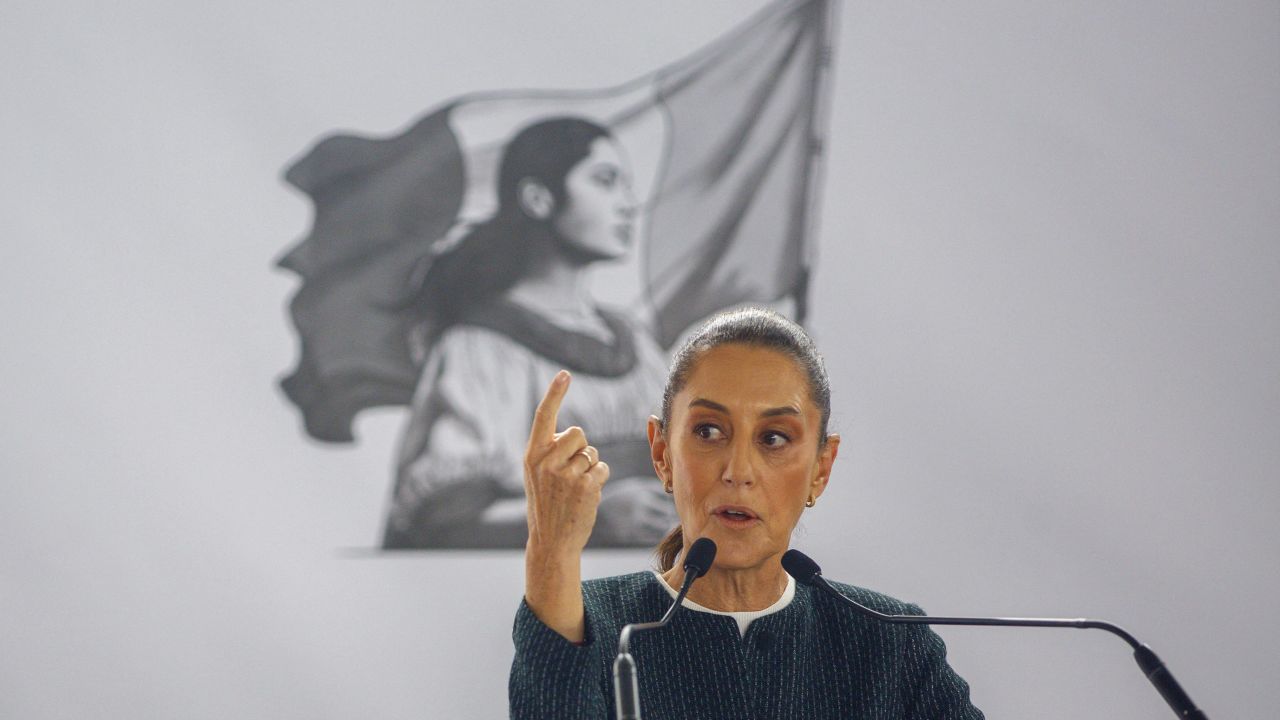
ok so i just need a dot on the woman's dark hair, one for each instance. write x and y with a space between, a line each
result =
754 327
490 259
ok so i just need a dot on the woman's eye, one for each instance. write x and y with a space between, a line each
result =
774 439
708 432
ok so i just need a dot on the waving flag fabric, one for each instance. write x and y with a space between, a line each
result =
724 146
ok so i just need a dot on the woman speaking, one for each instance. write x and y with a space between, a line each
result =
742 446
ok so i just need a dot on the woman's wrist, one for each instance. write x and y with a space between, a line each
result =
553 589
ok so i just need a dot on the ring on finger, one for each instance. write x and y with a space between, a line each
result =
590 455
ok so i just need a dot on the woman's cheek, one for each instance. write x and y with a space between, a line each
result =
782 458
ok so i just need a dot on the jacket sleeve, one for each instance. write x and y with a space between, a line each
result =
552 678
935 691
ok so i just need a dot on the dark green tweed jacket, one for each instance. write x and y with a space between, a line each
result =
814 659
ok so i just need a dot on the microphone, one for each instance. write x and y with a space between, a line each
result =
626 688
806 571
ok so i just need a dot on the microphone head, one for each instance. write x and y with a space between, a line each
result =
700 556
800 566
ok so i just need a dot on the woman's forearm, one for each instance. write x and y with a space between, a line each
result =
553 589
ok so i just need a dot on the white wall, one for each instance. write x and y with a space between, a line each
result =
1048 294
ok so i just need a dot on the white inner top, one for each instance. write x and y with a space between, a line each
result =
743 618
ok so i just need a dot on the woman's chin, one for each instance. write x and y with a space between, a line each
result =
733 554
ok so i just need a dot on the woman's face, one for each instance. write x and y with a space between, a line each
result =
742 453
600 207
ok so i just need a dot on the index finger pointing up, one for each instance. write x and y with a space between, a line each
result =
543 430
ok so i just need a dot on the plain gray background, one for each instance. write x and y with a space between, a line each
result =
1047 291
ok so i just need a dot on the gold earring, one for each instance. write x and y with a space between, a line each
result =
667 487
811 501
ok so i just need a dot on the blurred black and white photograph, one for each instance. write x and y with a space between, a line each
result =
452 268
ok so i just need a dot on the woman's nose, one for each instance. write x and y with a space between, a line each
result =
739 467
628 204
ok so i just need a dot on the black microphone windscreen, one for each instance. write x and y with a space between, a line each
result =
700 556
800 566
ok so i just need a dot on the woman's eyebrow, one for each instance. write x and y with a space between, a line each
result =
771 412
709 404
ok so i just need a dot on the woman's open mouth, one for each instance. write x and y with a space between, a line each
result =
736 516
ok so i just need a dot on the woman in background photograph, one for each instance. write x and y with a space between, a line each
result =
502 311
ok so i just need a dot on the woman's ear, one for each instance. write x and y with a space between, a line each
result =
826 459
659 451
535 199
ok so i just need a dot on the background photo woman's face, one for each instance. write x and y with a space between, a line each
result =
598 217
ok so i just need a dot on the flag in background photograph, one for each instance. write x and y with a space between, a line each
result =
724 146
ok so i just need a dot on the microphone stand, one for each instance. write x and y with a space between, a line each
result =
626 687
1150 663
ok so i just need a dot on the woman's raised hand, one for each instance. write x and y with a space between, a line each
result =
563 476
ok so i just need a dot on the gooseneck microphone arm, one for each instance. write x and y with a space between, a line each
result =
806 571
624 639
626 688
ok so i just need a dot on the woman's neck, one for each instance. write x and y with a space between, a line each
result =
557 290
734 590
554 288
